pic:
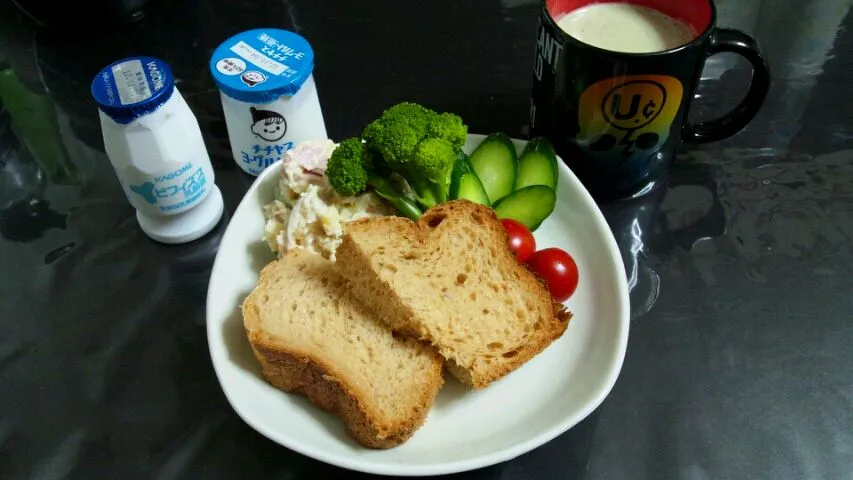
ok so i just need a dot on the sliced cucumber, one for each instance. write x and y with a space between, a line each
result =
496 165
537 165
464 182
529 205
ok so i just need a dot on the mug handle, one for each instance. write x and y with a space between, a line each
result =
734 41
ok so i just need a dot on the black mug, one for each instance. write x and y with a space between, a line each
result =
617 118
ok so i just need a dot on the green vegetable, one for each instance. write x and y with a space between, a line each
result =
396 134
408 140
348 166
428 170
448 126
420 145
529 205
464 182
351 169
412 157
495 163
537 165
386 190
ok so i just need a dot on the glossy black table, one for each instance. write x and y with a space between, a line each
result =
739 359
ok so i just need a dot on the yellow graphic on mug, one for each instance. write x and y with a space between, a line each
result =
629 114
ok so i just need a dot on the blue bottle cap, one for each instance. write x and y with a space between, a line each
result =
132 87
258 66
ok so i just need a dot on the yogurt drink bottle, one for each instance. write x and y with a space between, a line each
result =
156 149
269 98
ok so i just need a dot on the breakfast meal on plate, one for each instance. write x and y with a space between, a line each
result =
451 280
399 255
312 337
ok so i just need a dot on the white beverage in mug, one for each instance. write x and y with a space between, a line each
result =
623 27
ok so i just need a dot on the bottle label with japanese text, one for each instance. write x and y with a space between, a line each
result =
171 191
268 95
261 134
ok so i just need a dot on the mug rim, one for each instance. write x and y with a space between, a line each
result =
712 24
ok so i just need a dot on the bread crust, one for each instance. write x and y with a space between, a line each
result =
294 371
302 374
403 319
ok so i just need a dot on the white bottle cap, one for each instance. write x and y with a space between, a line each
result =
187 226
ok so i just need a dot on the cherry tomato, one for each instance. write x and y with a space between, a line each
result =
520 239
558 269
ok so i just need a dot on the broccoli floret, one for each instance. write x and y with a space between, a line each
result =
408 140
432 157
429 170
348 166
420 145
396 133
448 126
351 169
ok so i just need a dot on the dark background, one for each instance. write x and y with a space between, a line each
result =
738 365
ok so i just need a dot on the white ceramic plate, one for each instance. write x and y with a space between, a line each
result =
465 430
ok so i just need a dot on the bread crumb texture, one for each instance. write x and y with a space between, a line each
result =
311 336
452 280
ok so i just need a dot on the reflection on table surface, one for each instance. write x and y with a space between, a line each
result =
739 267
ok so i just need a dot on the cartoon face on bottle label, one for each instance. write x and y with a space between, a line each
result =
628 115
267 124
253 77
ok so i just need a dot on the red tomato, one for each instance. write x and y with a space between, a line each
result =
558 269
520 239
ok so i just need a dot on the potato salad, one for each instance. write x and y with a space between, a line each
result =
307 212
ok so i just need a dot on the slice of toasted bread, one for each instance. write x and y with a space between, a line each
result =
451 279
312 337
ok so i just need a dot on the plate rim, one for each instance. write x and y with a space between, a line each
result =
481 461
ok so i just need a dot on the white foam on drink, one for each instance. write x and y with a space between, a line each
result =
623 27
